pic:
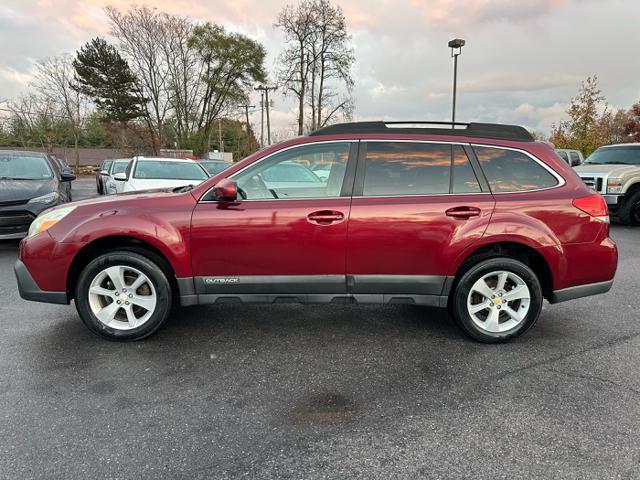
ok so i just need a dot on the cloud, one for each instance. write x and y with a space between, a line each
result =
523 61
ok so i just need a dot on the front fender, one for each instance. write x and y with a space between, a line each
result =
168 231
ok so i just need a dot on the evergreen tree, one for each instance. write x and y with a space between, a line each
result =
105 77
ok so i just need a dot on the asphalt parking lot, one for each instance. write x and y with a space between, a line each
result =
347 392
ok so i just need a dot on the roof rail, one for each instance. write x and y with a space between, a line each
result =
486 130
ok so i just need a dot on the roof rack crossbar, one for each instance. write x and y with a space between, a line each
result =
473 129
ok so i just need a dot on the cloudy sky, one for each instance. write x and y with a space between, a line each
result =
523 61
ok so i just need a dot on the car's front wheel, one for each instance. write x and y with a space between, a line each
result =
123 296
497 299
629 212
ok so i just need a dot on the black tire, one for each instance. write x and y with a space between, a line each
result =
461 315
154 273
629 212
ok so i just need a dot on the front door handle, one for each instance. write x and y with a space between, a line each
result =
463 213
325 217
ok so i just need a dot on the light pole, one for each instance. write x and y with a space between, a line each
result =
456 49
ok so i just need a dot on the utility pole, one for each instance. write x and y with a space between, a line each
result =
264 89
220 145
261 119
246 113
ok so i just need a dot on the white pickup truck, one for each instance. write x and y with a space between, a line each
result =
614 172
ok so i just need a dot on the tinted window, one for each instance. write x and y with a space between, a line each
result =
24 167
464 179
403 168
106 165
169 170
575 158
289 174
563 156
512 171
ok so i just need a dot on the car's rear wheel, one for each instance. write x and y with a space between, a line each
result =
123 296
497 299
629 212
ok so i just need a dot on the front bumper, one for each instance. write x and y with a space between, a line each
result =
29 289
612 199
15 220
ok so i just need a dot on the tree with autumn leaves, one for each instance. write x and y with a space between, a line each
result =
593 123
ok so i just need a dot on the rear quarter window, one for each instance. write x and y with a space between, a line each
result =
512 171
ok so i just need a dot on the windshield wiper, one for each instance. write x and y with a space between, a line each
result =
15 178
608 163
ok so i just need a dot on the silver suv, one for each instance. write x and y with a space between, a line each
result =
614 172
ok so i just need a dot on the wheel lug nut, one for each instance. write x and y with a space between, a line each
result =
118 302
131 295
126 303
124 290
117 294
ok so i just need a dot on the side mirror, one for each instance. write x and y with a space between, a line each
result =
225 191
120 177
67 177
575 162
104 172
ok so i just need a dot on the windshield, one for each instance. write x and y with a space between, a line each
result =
215 167
615 155
119 166
168 170
24 167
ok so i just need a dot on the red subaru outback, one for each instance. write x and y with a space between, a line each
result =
478 218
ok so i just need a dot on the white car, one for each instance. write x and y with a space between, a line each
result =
111 186
148 173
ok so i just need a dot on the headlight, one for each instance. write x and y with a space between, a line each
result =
46 199
614 185
48 220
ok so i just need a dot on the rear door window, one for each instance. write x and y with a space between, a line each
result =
512 171
406 168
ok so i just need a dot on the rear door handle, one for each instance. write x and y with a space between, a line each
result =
325 217
463 213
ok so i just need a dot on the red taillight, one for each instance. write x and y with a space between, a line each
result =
593 205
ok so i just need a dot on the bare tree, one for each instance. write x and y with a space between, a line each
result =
184 74
141 33
52 83
316 64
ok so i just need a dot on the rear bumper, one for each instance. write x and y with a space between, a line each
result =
29 289
580 291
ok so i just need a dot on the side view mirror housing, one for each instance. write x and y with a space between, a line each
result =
104 172
225 190
67 177
120 177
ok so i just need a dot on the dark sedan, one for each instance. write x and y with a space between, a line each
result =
102 173
30 182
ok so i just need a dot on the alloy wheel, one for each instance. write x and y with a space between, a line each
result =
122 297
498 301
